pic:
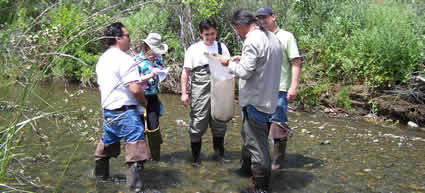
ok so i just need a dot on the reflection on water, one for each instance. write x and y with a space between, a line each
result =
324 155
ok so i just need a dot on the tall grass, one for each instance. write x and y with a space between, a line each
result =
62 41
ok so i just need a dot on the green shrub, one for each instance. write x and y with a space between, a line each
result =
152 18
309 95
357 42
388 48
352 42
68 27
343 99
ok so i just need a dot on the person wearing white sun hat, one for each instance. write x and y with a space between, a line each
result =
150 62
154 42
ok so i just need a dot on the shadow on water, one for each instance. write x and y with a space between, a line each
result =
178 156
186 157
290 180
156 180
295 173
161 179
293 160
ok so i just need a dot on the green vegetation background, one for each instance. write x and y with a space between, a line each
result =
373 44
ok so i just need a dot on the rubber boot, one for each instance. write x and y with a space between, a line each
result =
279 149
155 141
245 170
134 176
196 153
218 145
101 170
260 180
258 187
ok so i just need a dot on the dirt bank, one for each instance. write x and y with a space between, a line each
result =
402 103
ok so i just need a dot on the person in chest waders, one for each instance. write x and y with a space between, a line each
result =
150 62
258 70
197 68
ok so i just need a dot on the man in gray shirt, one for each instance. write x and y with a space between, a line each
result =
258 70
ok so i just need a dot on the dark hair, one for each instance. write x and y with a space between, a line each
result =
245 18
112 31
207 24
145 47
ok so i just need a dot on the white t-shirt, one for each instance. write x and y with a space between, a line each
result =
195 56
114 70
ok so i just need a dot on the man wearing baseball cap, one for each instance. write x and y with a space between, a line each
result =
291 67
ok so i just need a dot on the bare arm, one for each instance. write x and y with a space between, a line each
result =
296 69
147 76
183 81
136 89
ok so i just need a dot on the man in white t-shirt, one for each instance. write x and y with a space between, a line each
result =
291 67
196 67
121 92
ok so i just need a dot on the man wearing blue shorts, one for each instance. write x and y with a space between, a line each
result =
121 91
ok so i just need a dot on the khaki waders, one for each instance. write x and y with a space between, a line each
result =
200 116
255 154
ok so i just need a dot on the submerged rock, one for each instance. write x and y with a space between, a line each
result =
326 142
412 124
181 123
323 126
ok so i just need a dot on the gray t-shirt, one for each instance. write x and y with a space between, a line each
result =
259 70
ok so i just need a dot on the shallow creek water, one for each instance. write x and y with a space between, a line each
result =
324 155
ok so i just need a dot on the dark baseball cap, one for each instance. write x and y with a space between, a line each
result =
264 11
